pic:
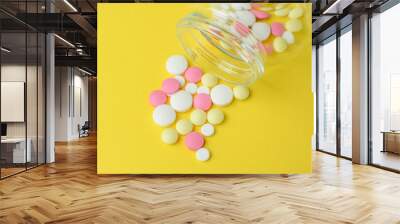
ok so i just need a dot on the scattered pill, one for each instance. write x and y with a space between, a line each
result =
169 136
193 74
158 97
215 116
181 101
209 80
256 6
198 117
170 85
240 6
164 115
282 12
261 31
296 13
180 79
194 140
191 88
202 101
294 25
279 44
241 29
246 17
280 5
260 14
202 154
221 95
241 92
176 64
203 89
277 29
184 126
207 130
289 37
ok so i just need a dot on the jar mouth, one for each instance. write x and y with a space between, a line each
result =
214 45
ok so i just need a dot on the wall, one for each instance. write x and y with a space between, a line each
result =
71 102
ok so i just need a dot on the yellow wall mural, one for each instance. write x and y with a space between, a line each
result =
270 132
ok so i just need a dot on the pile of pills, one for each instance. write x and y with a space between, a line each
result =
258 19
198 93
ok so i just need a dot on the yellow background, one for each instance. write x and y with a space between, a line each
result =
268 133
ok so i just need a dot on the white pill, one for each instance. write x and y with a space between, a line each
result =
180 79
246 17
240 6
164 115
181 101
191 88
221 95
176 64
207 130
202 154
289 37
203 89
261 31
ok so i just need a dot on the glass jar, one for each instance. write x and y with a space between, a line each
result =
217 39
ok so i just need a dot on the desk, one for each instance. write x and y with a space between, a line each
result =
17 150
391 141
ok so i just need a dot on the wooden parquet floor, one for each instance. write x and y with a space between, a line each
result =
69 191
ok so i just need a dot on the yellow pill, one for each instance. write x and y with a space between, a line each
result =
169 136
184 126
279 44
209 80
282 12
241 92
215 116
198 117
280 5
294 25
296 13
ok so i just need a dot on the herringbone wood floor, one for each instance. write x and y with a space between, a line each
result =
69 191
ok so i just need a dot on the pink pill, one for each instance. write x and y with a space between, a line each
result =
193 74
202 101
170 85
241 29
158 97
260 14
194 141
277 29
256 6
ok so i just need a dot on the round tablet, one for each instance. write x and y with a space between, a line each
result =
180 79
184 126
198 117
202 101
289 37
194 140
207 130
221 95
260 14
181 101
246 17
164 115
296 13
279 44
176 64
170 85
158 97
191 88
261 31
241 92
203 89
209 80
294 25
202 154
215 116
277 29
193 74
169 136
282 12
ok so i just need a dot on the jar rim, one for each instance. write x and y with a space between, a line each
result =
233 58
